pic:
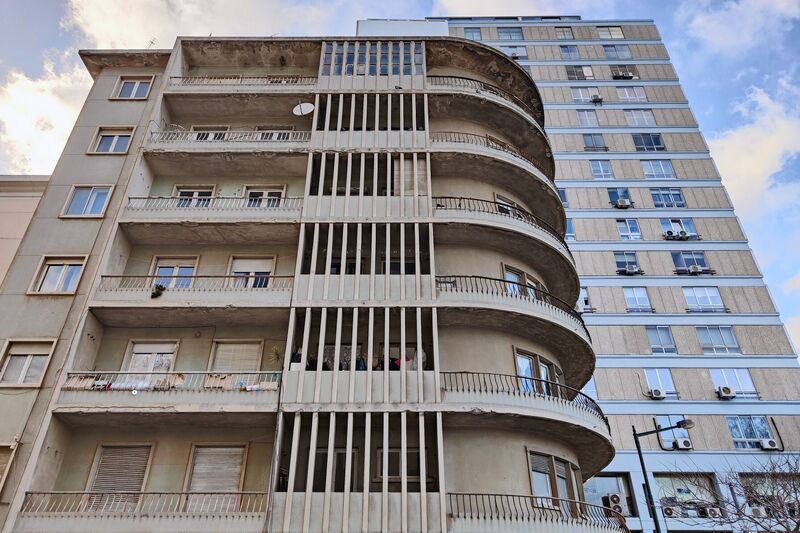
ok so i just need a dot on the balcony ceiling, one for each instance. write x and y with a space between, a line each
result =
150 422
294 54
273 167
145 316
199 232
237 108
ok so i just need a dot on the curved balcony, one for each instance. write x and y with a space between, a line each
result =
181 390
246 140
486 90
475 300
132 512
516 512
482 219
483 144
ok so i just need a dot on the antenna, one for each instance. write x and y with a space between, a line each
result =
302 109
151 42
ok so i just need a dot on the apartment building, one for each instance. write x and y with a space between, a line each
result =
19 196
681 321
300 285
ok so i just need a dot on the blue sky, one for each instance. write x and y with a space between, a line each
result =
736 59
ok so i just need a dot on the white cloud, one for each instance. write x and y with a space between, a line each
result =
792 284
474 8
793 327
37 114
737 26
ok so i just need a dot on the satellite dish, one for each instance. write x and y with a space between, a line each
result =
134 392
302 109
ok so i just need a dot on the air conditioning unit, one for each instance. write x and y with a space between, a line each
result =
616 502
725 393
597 99
657 394
682 444
695 269
759 512
632 270
622 203
682 236
514 56
671 512
768 444
669 235
709 512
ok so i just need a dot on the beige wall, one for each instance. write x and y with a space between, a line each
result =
654 93
19 196
656 263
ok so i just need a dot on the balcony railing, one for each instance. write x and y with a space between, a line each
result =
479 87
497 208
228 136
533 508
144 503
218 203
485 141
197 283
233 79
172 381
519 386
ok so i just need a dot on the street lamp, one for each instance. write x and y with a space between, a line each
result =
681 424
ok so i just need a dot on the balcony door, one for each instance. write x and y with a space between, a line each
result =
210 133
272 132
151 359
174 273
194 196
251 272
215 470
263 196
240 357
118 478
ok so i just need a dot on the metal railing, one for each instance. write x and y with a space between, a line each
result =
228 136
532 508
501 287
497 208
144 503
234 79
485 141
518 386
480 86
197 283
215 202
172 381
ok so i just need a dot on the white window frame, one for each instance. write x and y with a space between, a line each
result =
266 189
600 164
157 259
57 259
715 349
661 378
640 117
521 33
7 345
586 70
113 131
668 437
732 377
629 234
584 94
639 94
564 33
137 80
640 299
748 443
587 118
618 51
709 293
130 350
251 279
572 52
667 196
71 196
661 348
610 32
569 235
662 164
474 28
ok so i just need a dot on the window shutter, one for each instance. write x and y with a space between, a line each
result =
540 463
217 469
237 357
251 264
408 176
121 468
29 348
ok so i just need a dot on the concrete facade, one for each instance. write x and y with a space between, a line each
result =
19 196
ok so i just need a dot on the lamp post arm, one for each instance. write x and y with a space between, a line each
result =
651 504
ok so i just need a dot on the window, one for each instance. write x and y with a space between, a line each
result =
717 339
327 56
58 275
648 142
640 117
148 357
610 32
601 169
87 201
590 389
583 95
118 469
516 52
738 379
624 260
583 301
263 197
570 233
7 453
658 169
562 194
418 67
112 141
661 378
237 356
687 492
703 299
579 72
133 88
361 59
636 300
629 229
412 465
683 260
775 491
631 94
617 51
395 47
564 33
174 273
194 196
251 272
679 228
618 193
339 465
747 431
667 197
661 340
540 475
597 489
215 469
521 284
669 437
624 72
593 142
509 34
552 478
569 52
24 363
472 33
